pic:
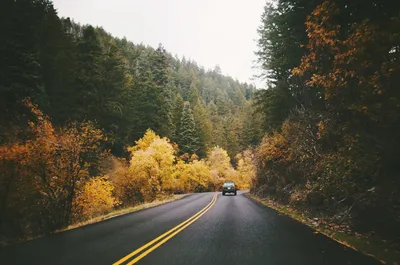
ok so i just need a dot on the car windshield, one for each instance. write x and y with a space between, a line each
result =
229 184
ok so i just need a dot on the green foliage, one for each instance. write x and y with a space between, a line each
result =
203 128
188 139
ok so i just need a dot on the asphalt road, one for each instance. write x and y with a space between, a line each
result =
231 230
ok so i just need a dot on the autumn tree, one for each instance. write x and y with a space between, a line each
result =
151 165
53 162
220 165
246 169
95 198
194 176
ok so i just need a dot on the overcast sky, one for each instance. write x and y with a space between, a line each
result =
209 31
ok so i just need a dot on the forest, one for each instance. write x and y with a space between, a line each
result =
92 123
332 112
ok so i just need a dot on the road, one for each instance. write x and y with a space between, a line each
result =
229 230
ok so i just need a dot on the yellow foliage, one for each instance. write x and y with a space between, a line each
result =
194 157
199 175
221 169
125 188
191 177
219 161
144 142
152 166
246 169
95 198
178 182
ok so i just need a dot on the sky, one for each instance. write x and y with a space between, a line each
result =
211 32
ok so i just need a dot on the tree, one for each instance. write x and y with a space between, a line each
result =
20 70
152 166
252 126
220 165
188 139
246 169
193 96
274 104
203 128
177 115
53 164
160 70
95 198
282 38
147 100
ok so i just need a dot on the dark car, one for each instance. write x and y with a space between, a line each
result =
229 187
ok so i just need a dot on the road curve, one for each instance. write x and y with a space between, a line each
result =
224 230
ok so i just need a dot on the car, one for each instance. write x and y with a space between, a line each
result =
229 187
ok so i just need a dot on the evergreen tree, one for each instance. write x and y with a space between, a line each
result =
160 73
59 62
177 115
193 96
188 140
89 77
147 100
20 70
203 128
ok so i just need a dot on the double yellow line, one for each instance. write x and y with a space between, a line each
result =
152 245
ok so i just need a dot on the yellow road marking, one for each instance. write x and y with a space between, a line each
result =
168 238
187 222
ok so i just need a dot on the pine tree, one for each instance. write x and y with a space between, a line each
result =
147 100
111 114
20 70
203 128
89 77
160 67
59 63
160 72
188 140
177 115
193 96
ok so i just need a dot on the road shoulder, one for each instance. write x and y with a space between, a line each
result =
367 246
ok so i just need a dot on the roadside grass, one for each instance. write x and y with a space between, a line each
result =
370 246
119 212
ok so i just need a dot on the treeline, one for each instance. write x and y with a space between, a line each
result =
82 73
60 176
73 98
332 111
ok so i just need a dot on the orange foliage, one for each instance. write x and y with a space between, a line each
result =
350 65
50 166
